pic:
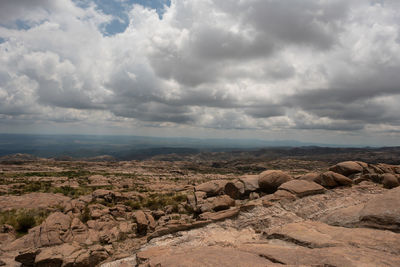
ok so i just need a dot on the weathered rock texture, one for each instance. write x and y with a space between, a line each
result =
32 201
303 231
347 216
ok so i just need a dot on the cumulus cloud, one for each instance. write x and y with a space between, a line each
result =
11 10
261 65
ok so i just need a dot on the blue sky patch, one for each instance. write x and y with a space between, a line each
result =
22 25
119 9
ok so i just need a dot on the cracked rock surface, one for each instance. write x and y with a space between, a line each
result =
150 213
303 232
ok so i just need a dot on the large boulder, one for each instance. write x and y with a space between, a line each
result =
380 168
311 177
250 183
270 180
217 203
144 221
27 257
383 211
235 189
222 203
396 169
57 229
302 188
70 255
141 222
386 168
53 231
347 168
390 181
212 188
53 256
332 179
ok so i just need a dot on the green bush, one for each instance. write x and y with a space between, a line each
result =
72 192
22 220
25 221
65 190
85 216
37 186
159 201
135 205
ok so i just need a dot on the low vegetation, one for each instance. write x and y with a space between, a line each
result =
156 201
28 186
22 220
85 216
72 191
69 174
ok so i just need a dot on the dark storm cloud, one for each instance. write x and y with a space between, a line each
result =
332 103
210 43
331 126
358 98
377 81
206 97
155 112
265 111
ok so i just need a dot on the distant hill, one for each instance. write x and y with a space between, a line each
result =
109 148
18 157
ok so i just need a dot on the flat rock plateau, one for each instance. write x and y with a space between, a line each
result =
199 212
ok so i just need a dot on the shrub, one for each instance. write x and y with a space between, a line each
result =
85 216
37 186
72 192
159 201
25 221
135 205
22 220
65 190
179 198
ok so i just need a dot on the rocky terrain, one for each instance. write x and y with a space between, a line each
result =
294 212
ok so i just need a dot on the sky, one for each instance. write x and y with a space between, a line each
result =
312 70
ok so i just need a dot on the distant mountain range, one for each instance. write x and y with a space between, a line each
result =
129 147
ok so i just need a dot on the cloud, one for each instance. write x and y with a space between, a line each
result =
262 65
309 22
31 10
